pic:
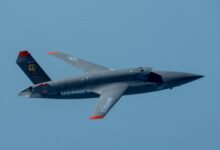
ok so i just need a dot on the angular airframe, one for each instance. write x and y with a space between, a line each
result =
101 82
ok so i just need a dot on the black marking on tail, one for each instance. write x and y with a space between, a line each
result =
31 68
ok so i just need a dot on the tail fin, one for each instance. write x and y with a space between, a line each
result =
31 68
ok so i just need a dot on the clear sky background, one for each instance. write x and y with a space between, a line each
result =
178 35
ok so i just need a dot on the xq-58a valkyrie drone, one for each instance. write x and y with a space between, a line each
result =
97 82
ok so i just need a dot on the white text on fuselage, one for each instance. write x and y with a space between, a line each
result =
74 92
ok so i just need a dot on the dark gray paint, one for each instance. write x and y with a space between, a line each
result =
107 84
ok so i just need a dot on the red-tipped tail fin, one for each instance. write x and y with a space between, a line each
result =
31 68
24 54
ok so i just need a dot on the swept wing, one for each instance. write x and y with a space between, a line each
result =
109 95
83 65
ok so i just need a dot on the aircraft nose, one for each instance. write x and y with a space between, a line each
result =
184 77
189 76
194 77
179 77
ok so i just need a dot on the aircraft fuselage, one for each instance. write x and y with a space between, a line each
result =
140 80
98 81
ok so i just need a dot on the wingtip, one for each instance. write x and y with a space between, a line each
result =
24 53
96 117
51 53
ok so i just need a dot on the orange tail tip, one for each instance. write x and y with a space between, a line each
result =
96 117
24 54
51 53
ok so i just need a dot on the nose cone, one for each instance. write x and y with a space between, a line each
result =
185 77
193 77
178 78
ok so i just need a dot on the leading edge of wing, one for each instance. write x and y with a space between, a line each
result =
83 65
109 95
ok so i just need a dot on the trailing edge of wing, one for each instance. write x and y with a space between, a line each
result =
83 65
109 95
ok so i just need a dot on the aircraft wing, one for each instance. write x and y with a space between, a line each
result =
109 95
83 65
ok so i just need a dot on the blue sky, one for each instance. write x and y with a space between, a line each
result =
167 35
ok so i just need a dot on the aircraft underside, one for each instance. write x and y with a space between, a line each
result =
84 94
